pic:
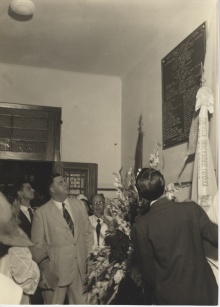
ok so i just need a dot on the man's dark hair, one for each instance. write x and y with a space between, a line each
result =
19 184
150 184
50 180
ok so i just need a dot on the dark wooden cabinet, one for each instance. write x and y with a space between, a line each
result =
30 148
29 132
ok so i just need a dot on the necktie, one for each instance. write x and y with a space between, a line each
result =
31 214
98 228
68 219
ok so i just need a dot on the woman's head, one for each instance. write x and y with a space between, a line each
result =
150 184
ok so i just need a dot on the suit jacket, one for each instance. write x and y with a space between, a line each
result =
104 227
57 252
25 224
168 242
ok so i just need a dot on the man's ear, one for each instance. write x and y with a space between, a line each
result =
52 190
19 194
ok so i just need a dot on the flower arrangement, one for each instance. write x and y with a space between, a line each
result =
154 157
109 265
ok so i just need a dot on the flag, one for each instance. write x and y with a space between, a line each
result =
139 148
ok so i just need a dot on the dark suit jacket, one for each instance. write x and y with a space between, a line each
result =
25 224
168 242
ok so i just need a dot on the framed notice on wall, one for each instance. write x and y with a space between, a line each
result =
181 77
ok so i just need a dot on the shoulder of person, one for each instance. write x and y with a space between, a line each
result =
92 217
188 202
44 207
19 251
75 201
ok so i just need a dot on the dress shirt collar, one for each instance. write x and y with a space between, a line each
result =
24 208
60 204
100 218
153 201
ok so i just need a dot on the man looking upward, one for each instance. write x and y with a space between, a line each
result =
63 236
25 194
98 220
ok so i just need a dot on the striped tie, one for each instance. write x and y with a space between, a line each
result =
98 228
31 214
68 219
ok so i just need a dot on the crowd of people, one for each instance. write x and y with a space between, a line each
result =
43 252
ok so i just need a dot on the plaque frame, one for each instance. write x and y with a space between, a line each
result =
182 70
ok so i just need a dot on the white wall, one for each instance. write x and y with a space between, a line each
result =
91 112
142 93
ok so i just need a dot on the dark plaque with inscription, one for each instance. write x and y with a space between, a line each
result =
181 76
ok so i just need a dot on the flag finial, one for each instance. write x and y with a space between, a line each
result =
140 123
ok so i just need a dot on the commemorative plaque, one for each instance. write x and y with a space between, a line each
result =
181 76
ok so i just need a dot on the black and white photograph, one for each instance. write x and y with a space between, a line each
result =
109 150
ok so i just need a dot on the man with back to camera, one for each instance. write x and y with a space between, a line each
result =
98 221
63 236
168 243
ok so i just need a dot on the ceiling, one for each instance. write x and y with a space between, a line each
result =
88 36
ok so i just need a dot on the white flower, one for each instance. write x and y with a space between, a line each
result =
170 191
105 284
154 160
92 274
130 171
117 185
95 290
151 158
118 276
99 284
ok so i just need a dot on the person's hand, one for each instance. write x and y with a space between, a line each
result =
136 276
15 208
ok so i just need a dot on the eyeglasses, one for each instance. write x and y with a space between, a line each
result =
98 202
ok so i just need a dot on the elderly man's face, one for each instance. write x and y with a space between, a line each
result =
98 205
59 187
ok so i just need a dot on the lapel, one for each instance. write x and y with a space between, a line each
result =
57 218
25 224
76 216
24 219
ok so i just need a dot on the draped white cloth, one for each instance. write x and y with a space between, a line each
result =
11 293
204 185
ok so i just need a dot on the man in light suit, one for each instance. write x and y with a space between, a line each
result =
168 243
63 236
98 220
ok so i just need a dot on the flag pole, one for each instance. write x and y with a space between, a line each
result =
139 147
